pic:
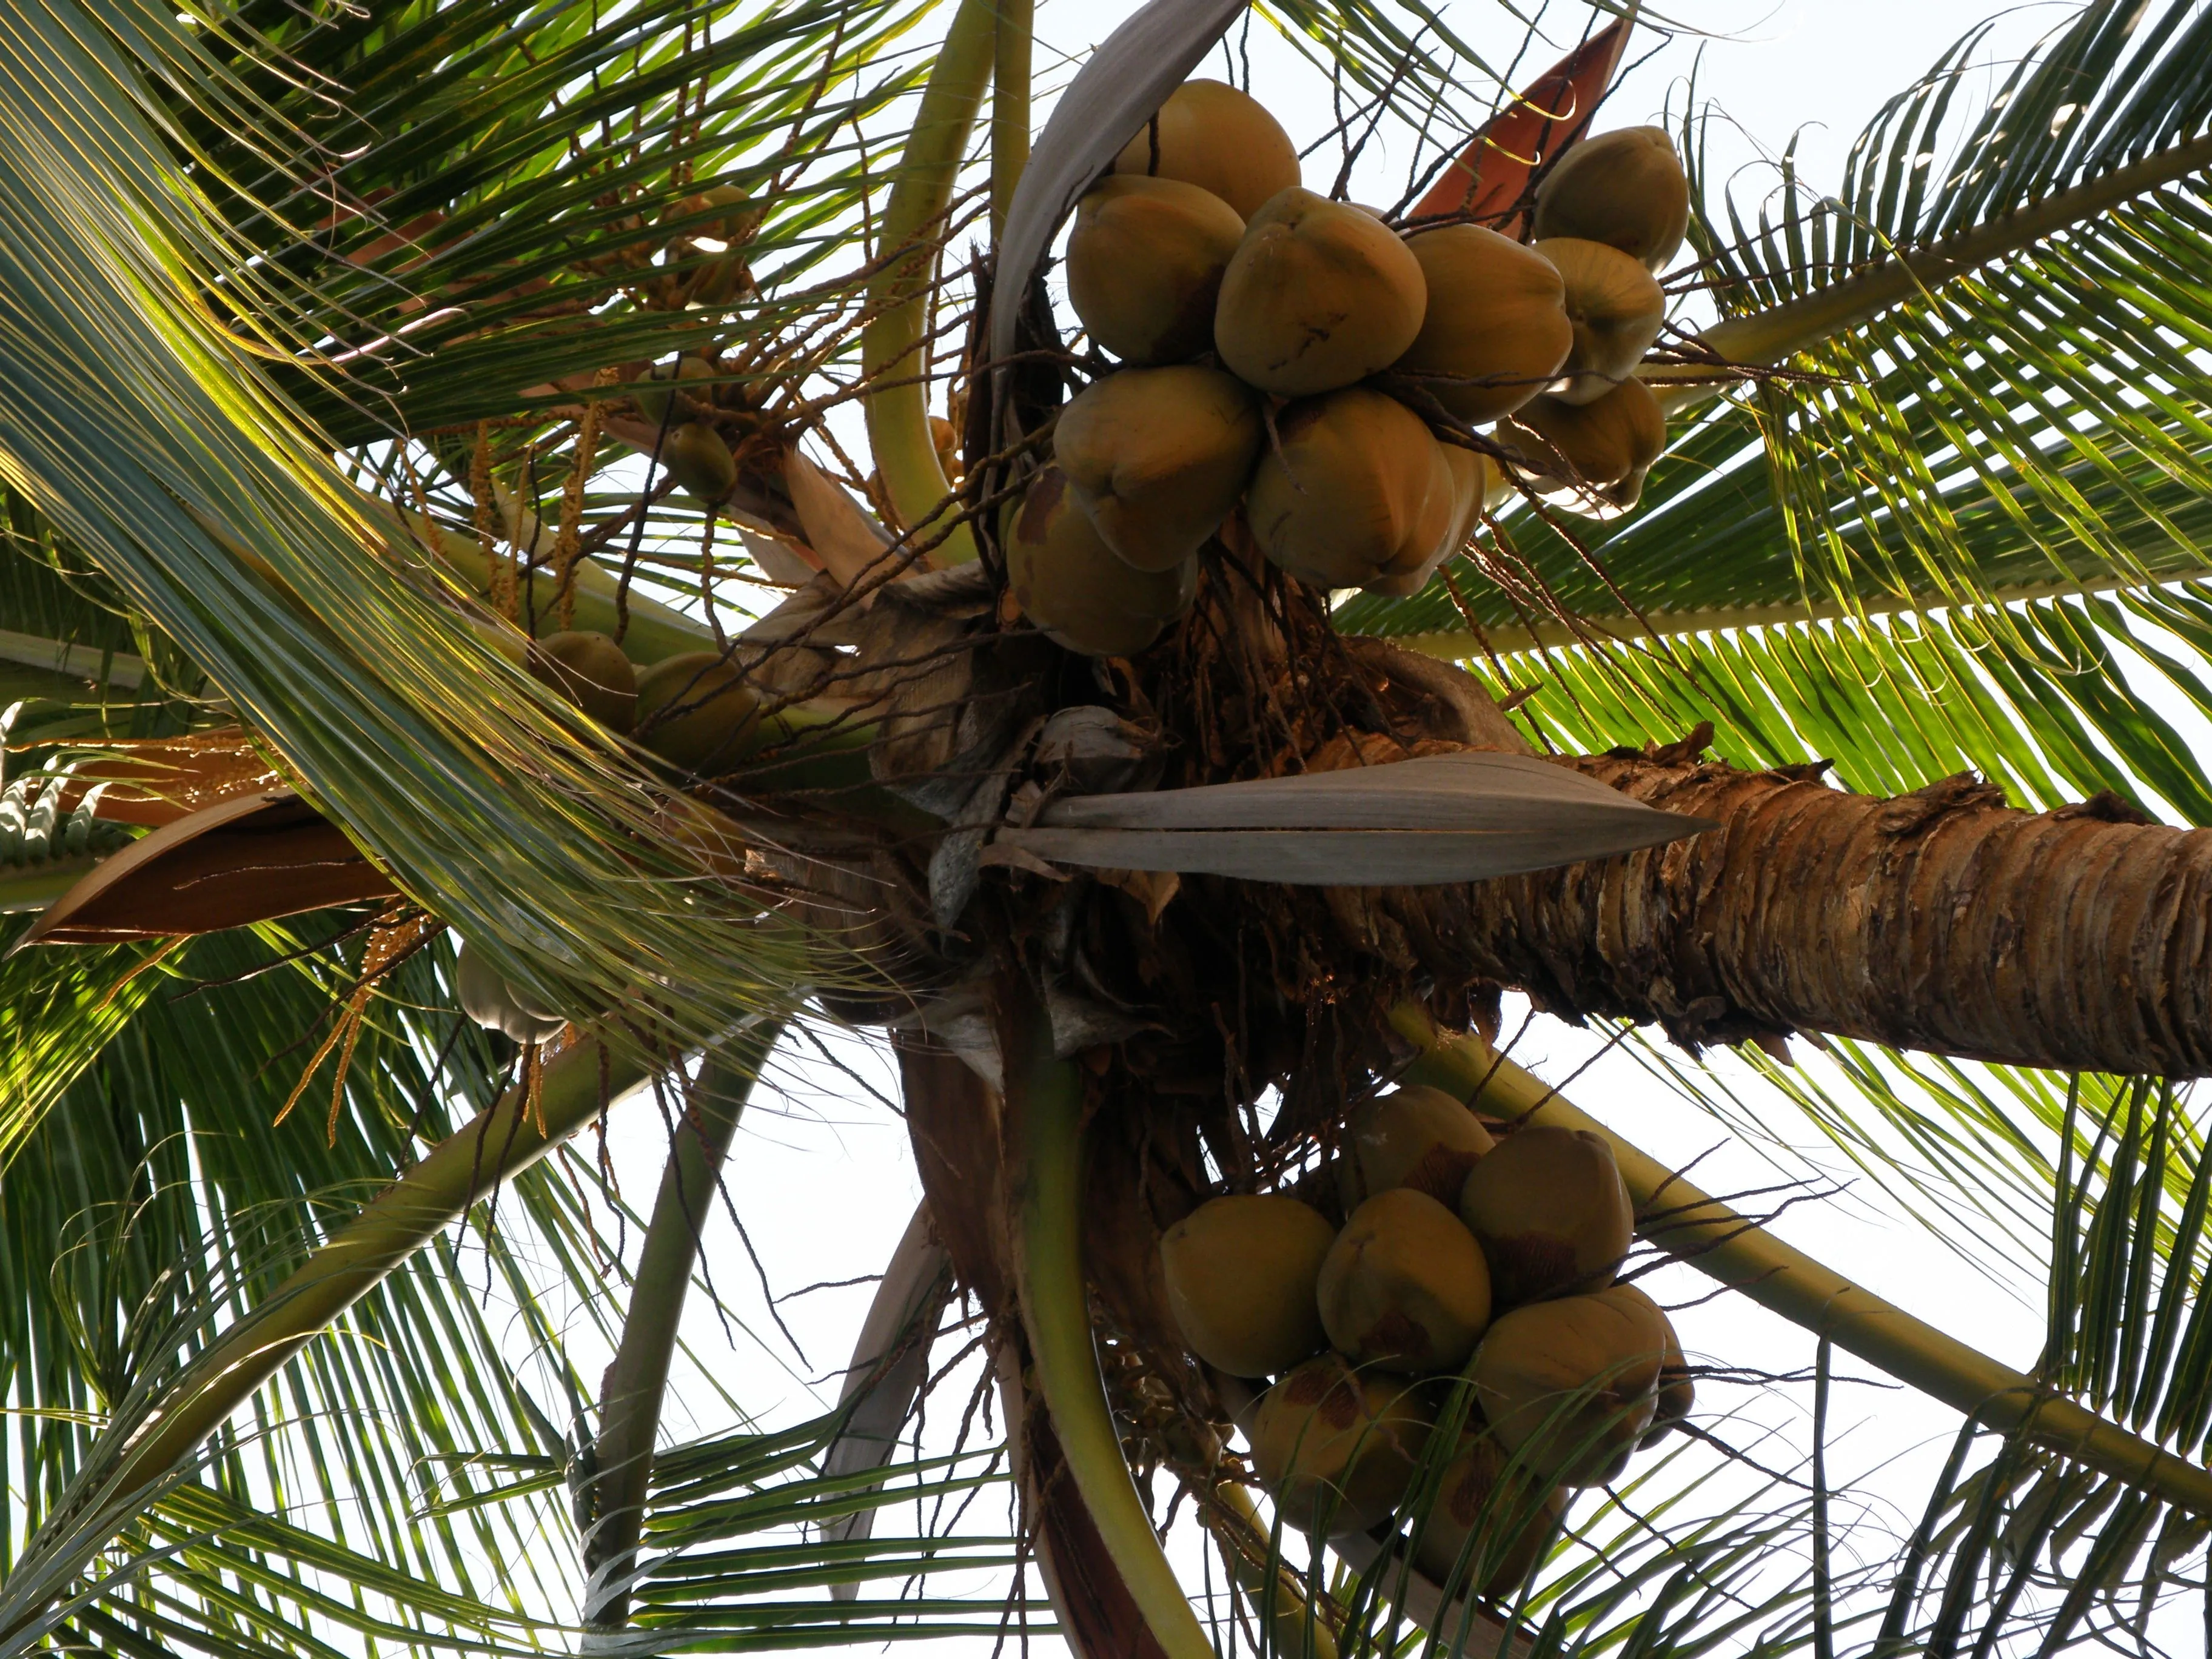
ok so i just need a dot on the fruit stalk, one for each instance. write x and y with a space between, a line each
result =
1044 1096
894 355
631 1397
501 1141
1770 336
1741 1255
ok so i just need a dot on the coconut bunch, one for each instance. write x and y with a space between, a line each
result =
1300 362
1461 1254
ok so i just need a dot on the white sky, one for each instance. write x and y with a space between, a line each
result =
823 1177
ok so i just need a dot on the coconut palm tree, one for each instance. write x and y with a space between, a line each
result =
348 356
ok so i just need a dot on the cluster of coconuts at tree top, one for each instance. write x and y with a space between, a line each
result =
1461 1254
1250 316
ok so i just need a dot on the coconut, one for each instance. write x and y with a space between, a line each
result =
1496 329
1603 448
654 395
1467 479
1625 189
694 455
1404 1288
1573 1384
1414 1136
1617 310
1070 584
1157 458
946 442
1550 1211
1145 263
1337 1449
1319 295
1353 487
1678 1390
487 998
696 711
588 668
1240 1273
1222 140
1507 1511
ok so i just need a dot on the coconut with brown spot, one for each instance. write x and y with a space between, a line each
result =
1405 1287
1338 1450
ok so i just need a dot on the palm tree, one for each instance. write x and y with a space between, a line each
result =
1930 513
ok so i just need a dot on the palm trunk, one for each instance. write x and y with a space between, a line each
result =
1942 921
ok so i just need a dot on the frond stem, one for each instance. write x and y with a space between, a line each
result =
1045 1096
899 412
1009 105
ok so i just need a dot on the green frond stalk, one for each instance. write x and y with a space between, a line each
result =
630 1403
894 355
1770 336
35 886
1736 1251
1045 1095
1009 105
499 1143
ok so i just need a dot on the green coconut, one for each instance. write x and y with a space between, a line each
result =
1338 1450
589 669
1617 309
1404 1288
1625 189
1552 1213
487 998
1466 477
1157 458
1414 1136
1496 329
1490 1521
1145 264
1573 1384
1073 587
1353 488
696 456
1319 295
1240 1273
1224 141
1678 1390
655 394
695 711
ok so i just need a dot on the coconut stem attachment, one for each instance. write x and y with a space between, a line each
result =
892 350
1740 1254
1044 1096
629 1402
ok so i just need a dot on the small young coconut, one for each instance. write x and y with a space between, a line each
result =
1604 447
1573 1384
1319 295
1625 189
1496 329
1414 1136
1552 1213
694 455
1240 1275
488 999
1508 1513
1338 1450
589 669
655 394
1144 262
1404 1288
1617 309
1211 135
1352 488
1157 458
1678 1390
695 711
1070 584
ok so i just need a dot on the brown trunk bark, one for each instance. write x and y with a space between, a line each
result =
1943 920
